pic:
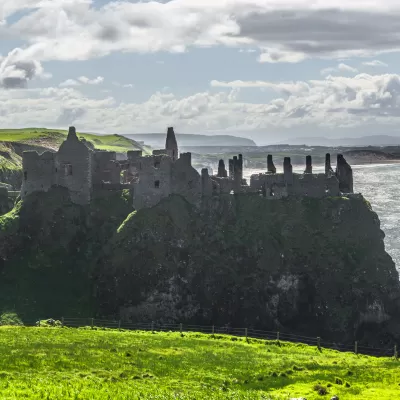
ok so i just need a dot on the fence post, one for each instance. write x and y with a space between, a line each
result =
180 328
92 322
213 331
245 333
39 322
152 326
396 354
119 325
319 343
62 322
277 336
356 347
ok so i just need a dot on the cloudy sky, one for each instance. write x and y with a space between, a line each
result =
265 69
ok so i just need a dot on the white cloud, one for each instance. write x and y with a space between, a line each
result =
284 31
340 68
87 81
124 85
16 70
82 80
347 68
375 63
336 103
328 71
69 82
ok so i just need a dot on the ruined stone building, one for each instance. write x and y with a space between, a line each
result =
75 166
82 169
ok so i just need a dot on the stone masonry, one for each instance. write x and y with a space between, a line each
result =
82 169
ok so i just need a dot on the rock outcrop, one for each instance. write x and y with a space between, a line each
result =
312 266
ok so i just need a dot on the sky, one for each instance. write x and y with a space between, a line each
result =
263 69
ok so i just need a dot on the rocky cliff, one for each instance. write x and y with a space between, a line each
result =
316 267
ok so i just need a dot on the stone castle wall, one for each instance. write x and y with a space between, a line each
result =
81 169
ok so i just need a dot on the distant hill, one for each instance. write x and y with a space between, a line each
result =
374 140
52 138
157 140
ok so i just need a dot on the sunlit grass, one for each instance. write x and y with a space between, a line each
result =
54 137
67 363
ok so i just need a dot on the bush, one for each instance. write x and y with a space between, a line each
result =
10 319
321 390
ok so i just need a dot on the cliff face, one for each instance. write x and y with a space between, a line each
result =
315 266
308 266
48 246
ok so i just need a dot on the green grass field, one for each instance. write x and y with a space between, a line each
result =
69 363
54 137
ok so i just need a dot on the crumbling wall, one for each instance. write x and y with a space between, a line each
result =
154 180
105 168
344 174
38 172
185 179
225 184
275 186
314 185
73 169
270 164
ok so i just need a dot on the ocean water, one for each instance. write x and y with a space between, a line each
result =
380 185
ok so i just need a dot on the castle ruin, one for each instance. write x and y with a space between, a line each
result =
82 169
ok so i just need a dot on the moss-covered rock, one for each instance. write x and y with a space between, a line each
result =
305 265
48 246
309 266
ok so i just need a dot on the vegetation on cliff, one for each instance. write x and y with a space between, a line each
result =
301 265
68 363
315 266
47 249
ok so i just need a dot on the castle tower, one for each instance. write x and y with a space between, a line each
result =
308 165
288 171
239 168
171 144
270 165
72 133
231 168
328 167
206 183
344 173
222 173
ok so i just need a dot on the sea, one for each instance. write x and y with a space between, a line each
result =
380 185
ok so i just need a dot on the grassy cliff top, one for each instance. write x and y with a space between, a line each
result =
52 138
69 363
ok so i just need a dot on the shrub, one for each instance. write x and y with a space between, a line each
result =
321 390
10 319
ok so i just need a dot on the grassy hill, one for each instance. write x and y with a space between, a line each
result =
69 363
52 138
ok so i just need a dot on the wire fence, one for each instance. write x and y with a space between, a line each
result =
246 333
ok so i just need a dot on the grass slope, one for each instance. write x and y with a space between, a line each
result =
9 160
52 138
68 363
